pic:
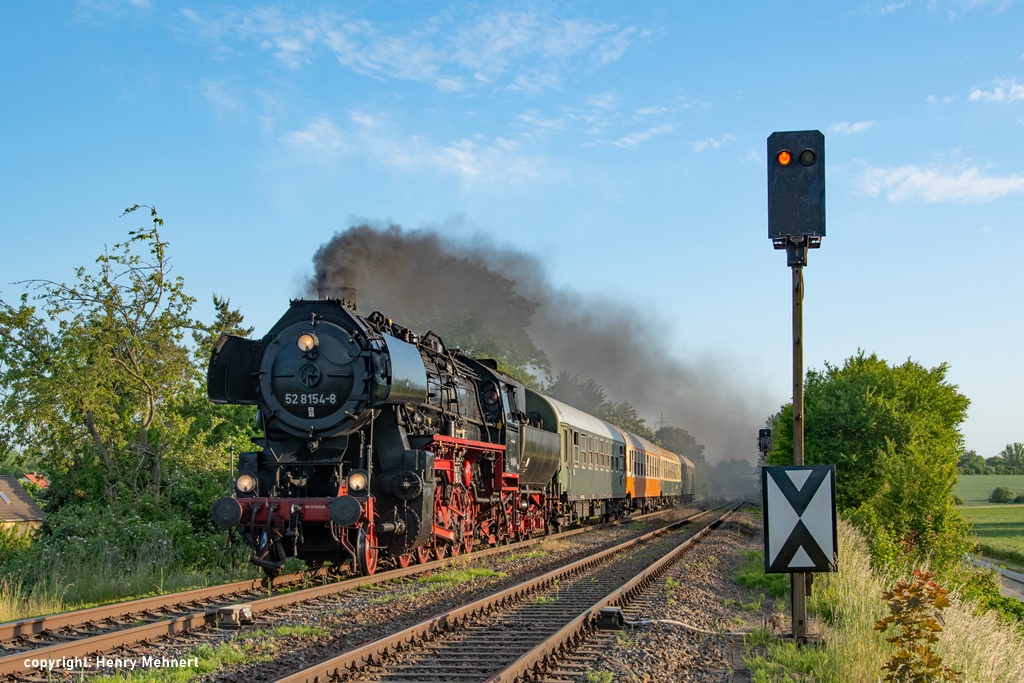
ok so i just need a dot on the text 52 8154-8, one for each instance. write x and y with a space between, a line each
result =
310 399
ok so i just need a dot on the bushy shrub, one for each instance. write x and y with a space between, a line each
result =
94 553
1001 494
1019 499
913 607
13 541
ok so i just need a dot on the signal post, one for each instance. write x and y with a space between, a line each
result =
796 223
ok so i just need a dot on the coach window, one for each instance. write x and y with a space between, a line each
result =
576 449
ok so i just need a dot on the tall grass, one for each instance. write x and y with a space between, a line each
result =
100 573
848 603
17 601
982 646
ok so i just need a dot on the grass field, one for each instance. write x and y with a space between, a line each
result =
975 489
1000 532
999 529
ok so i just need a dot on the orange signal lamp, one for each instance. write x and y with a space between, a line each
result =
784 158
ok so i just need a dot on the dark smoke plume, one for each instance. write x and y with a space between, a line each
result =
500 299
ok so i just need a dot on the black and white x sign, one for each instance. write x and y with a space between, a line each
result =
799 518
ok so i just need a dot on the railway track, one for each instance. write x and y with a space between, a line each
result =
27 645
511 634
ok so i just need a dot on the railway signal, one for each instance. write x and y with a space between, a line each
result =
796 192
796 223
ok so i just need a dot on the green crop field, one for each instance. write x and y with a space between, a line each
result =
999 530
975 489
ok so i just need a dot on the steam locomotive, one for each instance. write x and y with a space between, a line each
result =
382 445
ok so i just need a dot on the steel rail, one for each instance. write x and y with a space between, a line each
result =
33 626
126 610
373 652
532 662
14 665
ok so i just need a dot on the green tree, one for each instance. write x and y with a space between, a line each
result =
93 382
996 464
972 463
893 434
1013 457
589 397
1001 494
735 478
680 441
228 321
12 462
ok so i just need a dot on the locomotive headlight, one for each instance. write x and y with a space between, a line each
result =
246 483
357 480
307 342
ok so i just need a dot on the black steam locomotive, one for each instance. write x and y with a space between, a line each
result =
378 443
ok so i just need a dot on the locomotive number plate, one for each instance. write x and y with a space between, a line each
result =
310 399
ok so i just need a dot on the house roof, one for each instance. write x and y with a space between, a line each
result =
15 503
37 479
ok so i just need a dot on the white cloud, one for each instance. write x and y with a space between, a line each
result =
605 100
634 139
933 99
752 156
713 143
365 119
914 183
537 124
846 128
1004 91
371 138
98 11
319 134
221 95
891 7
652 111
526 51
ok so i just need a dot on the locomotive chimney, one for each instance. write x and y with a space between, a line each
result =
346 295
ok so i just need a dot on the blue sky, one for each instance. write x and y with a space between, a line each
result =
621 144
